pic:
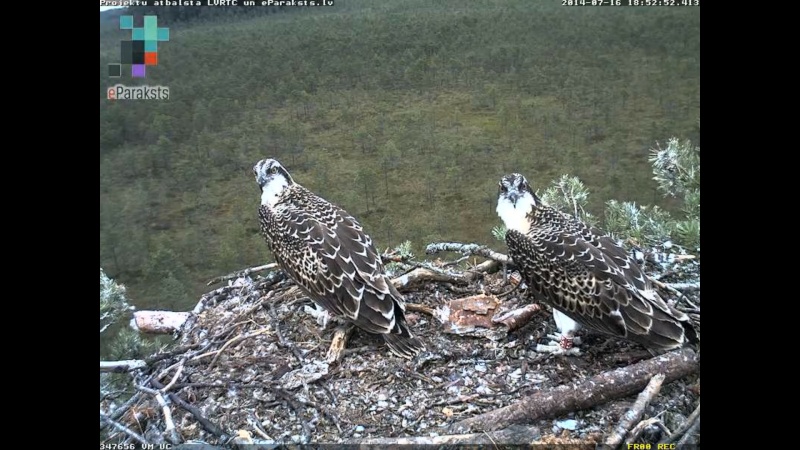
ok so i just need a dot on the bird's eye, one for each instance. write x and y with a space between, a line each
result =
273 170
503 187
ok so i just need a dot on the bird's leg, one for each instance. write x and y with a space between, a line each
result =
565 341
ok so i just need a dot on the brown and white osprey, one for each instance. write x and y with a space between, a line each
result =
584 275
327 253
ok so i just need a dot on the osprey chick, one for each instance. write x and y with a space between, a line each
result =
326 252
584 275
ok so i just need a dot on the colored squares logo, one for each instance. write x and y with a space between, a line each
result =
142 50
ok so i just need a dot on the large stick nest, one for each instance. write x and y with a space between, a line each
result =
251 364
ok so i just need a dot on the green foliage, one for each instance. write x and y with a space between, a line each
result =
649 225
569 194
405 250
676 169
688 233
125 343
406 113
113 303
499 232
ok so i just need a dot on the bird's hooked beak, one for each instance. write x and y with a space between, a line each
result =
261 174
513 196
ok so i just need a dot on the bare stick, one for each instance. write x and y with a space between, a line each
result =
468 249
340 337
416 307
170 430
298 411
510 436
233 341
281 340
122 366
515 319
687 437
684 428
455 401
117 413
635 413
592 391
200 307
426 274
488 266
633 436
684 286
241 273
181 350
175 377
204 422
123 429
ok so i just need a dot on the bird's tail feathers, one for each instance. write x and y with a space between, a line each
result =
669 331
404 344
406 347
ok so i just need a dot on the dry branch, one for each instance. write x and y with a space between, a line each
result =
633 436
517 434
159 322
119 411
684 286
170 431
426 274
468 249
515 319
685 428
123 429
340 337
204 422
122 366
635 413
416 307
201 305
593 391
241 273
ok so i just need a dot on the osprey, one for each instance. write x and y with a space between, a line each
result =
584 275
326 252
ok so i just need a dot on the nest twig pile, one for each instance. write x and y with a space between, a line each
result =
252 365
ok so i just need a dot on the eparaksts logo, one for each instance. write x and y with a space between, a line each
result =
122 92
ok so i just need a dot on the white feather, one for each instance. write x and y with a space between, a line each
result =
566 326
515 216
272 191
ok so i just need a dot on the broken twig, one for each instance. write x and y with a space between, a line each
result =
123 429
241 273
467 249
122 366
340 337
684 428
170 431
635 413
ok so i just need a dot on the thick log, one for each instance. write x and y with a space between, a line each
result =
159 322
593 391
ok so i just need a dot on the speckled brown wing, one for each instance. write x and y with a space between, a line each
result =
326 251
594 283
